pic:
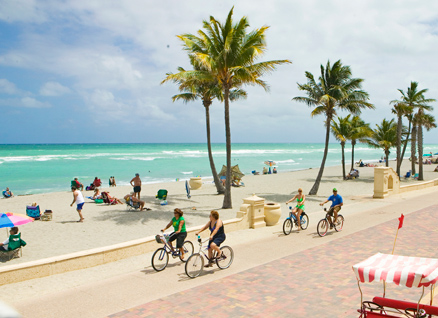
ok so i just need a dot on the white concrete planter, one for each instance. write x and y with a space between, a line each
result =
195 183
272 213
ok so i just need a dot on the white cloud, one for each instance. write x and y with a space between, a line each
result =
54 89
7 87
25 102
21 11
116 53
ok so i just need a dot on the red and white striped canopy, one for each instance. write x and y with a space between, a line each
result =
400 270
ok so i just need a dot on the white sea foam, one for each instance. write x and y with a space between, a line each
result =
188 172
285 161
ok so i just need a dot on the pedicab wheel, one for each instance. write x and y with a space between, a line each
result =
194 265
188 251
339 224
160 259
412 312
322 227
226 258
304 222
287 226
371 306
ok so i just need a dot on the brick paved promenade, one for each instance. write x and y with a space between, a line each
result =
318 282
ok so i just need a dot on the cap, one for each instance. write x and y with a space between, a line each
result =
335 190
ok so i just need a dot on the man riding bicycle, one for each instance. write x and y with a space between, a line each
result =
337 203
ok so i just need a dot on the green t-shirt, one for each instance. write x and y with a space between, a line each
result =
175 224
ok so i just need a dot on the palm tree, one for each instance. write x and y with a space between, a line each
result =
341 130
384 136
228 54
413 98
359 131
427 121
400 109
334 90
194 89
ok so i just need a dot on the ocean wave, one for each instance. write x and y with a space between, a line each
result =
135 158
285 161
188 172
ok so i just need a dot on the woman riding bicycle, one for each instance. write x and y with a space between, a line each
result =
217 236
299 208
180 234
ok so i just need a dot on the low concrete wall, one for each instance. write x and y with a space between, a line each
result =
99 256
419 186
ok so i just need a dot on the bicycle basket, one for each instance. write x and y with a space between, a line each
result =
158 239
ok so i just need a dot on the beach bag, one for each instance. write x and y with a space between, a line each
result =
98 201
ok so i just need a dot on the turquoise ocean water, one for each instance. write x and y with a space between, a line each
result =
28 169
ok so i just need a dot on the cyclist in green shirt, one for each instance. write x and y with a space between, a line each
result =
299 208
180 233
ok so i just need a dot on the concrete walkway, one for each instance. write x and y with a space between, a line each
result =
273 275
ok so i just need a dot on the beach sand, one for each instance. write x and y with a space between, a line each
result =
106 225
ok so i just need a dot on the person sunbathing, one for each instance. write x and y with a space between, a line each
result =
7 193
96 195
135 200
109 199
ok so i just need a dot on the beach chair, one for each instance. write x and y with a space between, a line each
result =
33 212
5 195
132 205
415 176
408 174
161 194
14 247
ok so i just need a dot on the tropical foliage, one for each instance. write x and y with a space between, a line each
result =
334 90
413 99
384 136
227 53
195 88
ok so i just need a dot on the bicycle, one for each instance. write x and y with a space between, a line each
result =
323 224
288 223
160 258
195 263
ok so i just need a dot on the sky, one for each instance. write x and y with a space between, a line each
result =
90 71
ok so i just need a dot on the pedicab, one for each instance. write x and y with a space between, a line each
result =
405 271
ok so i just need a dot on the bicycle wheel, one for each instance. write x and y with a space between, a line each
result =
304 222
160 259
188 251
322 227
194 265
226 258
339 224
287 226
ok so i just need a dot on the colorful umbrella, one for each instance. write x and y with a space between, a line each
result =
10 219
270 163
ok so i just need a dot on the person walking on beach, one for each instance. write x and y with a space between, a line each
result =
337 203
217 236
78 198
299 208
180 233
136 183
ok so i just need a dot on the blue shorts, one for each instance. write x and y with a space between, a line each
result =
79 206
218 240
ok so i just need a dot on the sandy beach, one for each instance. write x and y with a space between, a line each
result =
106 225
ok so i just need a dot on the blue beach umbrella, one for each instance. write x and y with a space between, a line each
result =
5 221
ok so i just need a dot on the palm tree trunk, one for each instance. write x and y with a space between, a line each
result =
315 186
406 142
420 152
353 143
343 160
387 157
227 204
399 132
220 189
413 148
